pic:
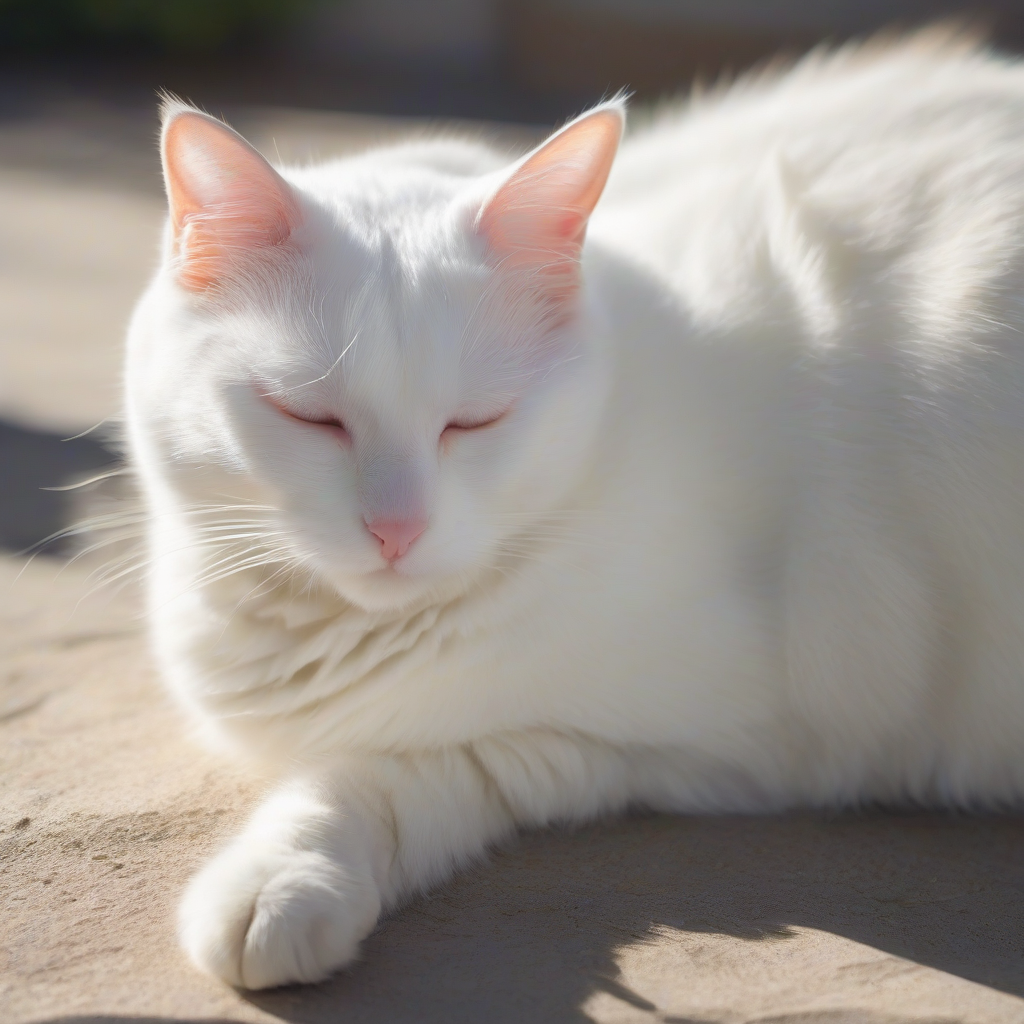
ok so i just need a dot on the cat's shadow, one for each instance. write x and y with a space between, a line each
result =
539 930
32 463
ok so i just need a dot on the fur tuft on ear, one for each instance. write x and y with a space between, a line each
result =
226 201
537 219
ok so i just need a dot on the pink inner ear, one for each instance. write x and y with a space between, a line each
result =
226 201
538 218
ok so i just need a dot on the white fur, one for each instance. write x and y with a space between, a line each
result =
752 536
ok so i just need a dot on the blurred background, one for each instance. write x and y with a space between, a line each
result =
532 60
80 196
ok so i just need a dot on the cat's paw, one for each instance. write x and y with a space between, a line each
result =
259 918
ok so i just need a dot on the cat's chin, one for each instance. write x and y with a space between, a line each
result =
391 590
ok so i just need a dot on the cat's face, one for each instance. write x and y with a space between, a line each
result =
388 357
403 396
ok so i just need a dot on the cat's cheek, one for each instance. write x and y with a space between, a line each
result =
340 558
457 543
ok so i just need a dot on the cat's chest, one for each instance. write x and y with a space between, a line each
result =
316 680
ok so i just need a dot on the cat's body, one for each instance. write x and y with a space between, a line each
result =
732 520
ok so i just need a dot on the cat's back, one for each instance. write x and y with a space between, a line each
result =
863 215
907 151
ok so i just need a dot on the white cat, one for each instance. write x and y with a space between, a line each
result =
460 523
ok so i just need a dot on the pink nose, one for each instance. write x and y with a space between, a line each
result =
396 536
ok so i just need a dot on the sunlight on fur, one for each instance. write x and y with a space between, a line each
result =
683 473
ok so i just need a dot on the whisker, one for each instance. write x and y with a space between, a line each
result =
91 480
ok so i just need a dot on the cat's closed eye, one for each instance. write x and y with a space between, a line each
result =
460 425
467 424
330 423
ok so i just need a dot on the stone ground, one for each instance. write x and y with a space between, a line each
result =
107 805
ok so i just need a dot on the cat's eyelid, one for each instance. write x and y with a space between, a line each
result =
491 421
334 423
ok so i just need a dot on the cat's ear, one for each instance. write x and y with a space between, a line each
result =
537 218
226 202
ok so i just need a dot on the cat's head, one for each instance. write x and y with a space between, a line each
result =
387 354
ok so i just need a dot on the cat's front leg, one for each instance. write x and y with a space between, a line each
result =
291 898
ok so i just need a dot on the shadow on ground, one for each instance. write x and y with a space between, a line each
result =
532 935
30 462
535 933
